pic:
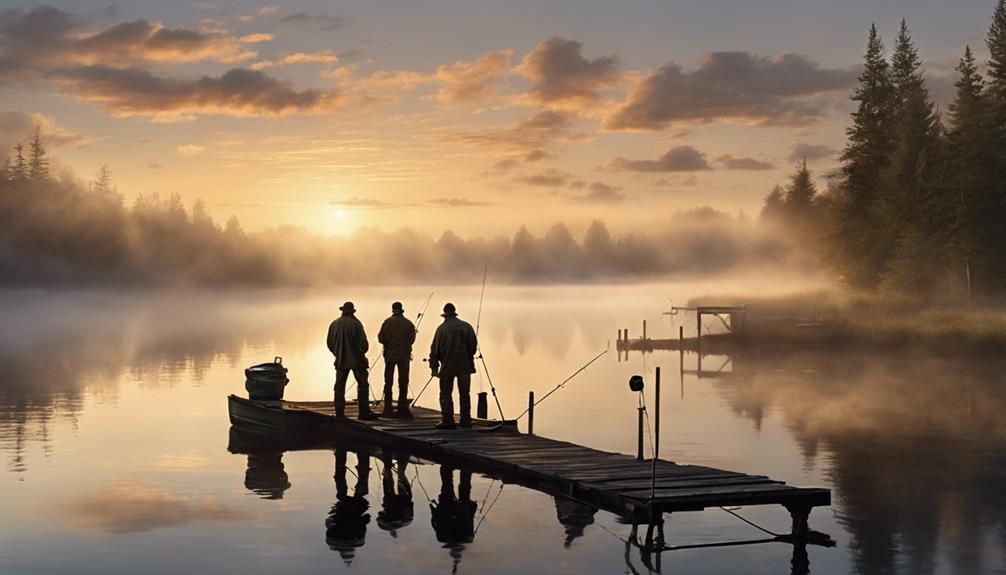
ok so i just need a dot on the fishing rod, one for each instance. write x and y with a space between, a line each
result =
478 346
564 382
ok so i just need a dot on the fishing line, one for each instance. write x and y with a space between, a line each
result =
564 382
491 505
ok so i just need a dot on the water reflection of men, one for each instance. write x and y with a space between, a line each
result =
396 506
346 524
266 475
453 516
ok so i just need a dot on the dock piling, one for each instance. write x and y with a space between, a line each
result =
644 329
530 413
639 434
482 407
656 436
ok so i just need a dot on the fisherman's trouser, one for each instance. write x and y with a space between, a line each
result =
362 389
403 380
464 395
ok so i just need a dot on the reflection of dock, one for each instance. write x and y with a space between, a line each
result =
619 483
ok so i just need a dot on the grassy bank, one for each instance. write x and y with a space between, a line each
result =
839 320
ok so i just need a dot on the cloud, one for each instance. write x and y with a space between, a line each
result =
601 193
535 133
17 126
238 92
456 202
546 178
133 507
325 57
731 162
358 202
537 155
810 152
142 40
324 21
267 10
561 74
189 150
256 38
472 80
155 166
732 86
677 159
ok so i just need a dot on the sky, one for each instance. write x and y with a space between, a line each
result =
472 116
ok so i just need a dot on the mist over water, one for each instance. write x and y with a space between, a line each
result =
114 439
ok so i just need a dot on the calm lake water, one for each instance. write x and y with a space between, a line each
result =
118 456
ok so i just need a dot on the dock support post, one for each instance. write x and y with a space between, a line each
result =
800 515
644 329
639 434
530 413
656 437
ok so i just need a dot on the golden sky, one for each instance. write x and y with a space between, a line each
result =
471 116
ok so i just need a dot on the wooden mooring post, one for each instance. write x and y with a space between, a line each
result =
530 413
639 433
644 329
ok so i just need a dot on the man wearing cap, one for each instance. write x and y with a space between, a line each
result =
452 356
348 343
397 336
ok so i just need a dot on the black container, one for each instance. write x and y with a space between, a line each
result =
266 381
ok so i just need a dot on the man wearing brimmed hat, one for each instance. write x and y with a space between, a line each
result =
348 343
397 336
452 355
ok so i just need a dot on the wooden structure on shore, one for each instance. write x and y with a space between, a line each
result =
640 491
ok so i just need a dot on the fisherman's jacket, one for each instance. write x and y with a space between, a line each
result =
453 349
348 343
397 336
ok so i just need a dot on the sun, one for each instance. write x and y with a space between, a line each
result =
340 214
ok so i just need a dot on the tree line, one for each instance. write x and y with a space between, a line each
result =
919 203
58 231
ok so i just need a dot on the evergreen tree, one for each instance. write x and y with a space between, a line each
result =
5 171
908 199
772 210
38 164
996 42
19 171
971 155
102 183
800 194
861 242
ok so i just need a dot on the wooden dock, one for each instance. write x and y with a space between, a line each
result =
618 483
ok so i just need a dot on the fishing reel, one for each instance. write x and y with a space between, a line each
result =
636 383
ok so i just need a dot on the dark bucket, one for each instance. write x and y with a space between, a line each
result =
266 381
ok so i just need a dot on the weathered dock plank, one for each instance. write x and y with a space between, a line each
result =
617 482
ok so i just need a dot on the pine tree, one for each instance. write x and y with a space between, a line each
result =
5 171
996 42
102 183
800 194
19 172
772 209
38 164
908 199
861 242
969 191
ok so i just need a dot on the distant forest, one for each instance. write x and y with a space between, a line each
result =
62 232
919 204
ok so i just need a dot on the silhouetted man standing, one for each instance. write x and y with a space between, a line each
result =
397 336
452 356
348 343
